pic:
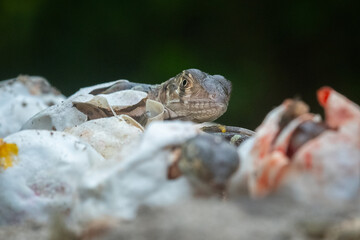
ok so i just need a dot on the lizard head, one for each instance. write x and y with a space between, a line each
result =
197 96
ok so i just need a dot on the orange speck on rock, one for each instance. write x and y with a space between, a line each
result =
263 146
308 160
262 183
8 154
323 95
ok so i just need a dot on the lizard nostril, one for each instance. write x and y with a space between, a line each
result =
226 86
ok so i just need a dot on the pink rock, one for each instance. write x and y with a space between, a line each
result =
326 168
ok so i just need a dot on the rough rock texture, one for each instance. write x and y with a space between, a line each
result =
23 97
274 218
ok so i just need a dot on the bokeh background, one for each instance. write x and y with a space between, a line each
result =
270 50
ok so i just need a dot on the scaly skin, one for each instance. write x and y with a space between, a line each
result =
191 95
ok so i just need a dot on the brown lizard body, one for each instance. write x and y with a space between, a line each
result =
191 95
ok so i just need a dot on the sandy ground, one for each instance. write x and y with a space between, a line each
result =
273 218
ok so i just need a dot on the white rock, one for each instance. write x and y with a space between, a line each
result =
140 178
21 98
108 135
55 170
59 116
44 174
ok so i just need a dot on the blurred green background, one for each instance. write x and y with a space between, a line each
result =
270 50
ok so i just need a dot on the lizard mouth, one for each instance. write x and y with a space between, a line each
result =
205 111
210 114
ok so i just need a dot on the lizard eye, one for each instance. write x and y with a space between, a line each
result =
184 83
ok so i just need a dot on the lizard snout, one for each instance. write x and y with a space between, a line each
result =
219 89
225 84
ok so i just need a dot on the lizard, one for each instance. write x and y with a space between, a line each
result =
191 95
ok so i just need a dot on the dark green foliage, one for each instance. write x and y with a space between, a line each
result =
270 50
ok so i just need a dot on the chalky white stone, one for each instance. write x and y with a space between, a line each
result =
44 175
58 171
108 135
23 97
138 178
